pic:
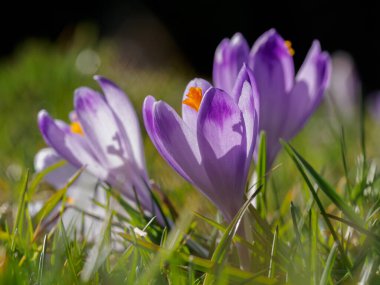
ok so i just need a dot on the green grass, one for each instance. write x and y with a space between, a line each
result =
316 221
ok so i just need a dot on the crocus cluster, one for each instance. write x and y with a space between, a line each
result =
211 144
286 100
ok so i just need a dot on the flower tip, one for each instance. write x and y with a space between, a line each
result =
44 121
97 77
272 31
42 112
105 83
150 97
237 38
102 80
82 92
148 104
42 116
83 96
316 45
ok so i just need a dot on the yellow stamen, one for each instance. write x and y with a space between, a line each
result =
70 200
76 128
288 45
194 98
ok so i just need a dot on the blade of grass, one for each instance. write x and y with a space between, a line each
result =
326 275
323 185
343 151
41 262
370 234
273 253
171 245
313 246
203 265
261 169
68 253
296 230
220 227
362 129
220 253
135 215
100 251
49 205
41 175
18 224
292 154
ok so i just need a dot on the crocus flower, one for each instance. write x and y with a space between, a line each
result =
81 195
104 136
345 85
211 146
286 100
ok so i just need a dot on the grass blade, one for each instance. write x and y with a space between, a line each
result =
221 250
41 262
273 253
294 157
261 169
18 224
343 151
203 265
40 175
326 275
68 253
296 230
99 252
323 185
370 234
172 243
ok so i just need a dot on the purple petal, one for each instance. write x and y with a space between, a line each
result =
311 83
189 115
229 57
248 102
222 142
71 147
175 141
127 117
101 128
273 70
59 177
148 116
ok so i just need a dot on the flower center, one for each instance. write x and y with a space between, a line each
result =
194 98
76 128
288 45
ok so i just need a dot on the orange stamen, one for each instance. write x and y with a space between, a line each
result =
288 45
194 98
70 200
76 128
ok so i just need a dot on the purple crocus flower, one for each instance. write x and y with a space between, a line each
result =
104 136
286 100
211 146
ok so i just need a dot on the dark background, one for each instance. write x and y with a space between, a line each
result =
198 26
